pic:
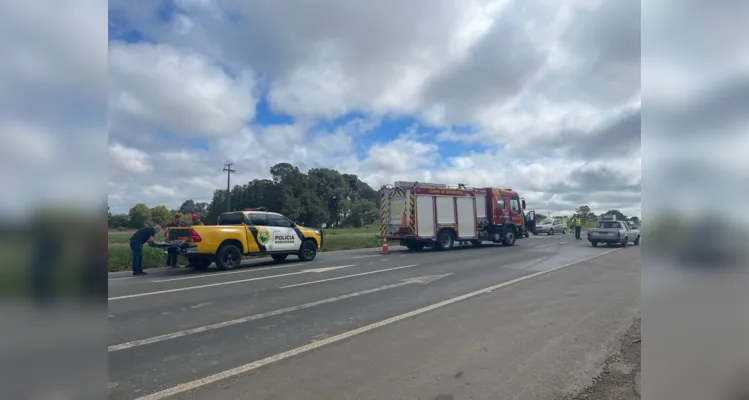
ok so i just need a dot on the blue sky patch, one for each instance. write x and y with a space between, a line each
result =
166 10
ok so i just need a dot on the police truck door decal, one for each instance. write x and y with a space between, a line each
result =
285 239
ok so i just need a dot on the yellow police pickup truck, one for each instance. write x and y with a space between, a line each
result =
243 233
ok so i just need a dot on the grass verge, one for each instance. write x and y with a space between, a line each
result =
120 257
351 231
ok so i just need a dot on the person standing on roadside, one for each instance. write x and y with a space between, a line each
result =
139 238
171 254
578 227
196 220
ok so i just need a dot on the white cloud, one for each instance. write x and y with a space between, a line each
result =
177 90
545 87
127 159
159 191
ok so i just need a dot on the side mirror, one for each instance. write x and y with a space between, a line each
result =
523 203
293 224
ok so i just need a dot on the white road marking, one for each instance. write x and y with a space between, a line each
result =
347 276
337 338
118 279
130 296
551 244
356 258
226 273
410 281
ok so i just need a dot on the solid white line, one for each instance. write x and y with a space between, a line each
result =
347 276
174 335
121 278
356 258
337 338
217 284
226 273
551 244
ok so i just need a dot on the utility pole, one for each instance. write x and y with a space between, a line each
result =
229 171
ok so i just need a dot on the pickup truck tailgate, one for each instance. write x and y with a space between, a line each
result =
177 234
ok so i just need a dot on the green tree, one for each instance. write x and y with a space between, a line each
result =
118 221
187 207
161 215
140 216
619 216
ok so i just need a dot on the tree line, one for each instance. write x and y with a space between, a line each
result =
321 197
585 213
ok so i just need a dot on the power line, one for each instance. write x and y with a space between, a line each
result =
229 171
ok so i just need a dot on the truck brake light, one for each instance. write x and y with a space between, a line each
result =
194 237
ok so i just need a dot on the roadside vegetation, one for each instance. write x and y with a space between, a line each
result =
120 257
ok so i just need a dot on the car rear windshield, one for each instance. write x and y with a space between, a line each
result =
609 225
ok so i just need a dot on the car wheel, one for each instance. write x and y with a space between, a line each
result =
551 232
594 244
625 242
637 241
308 250
228 257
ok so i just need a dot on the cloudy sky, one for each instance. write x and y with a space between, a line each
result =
541 96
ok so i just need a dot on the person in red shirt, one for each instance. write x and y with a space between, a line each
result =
196 220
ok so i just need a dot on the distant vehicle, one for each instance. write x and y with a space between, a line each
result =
422 215
246 233
611 231
551 227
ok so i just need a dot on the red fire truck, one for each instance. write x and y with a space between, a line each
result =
422 215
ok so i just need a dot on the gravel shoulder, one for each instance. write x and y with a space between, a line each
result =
620 376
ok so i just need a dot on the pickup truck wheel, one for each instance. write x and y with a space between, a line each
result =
228 257
279 257
508 236
308 250
637 241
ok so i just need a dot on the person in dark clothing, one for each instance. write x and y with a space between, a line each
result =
171 255
139 238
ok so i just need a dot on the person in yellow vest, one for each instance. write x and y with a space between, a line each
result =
578 227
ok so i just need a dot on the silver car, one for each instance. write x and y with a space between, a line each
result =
551 226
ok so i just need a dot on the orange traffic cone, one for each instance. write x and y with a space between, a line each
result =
385 246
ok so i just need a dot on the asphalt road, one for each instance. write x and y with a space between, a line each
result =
529 321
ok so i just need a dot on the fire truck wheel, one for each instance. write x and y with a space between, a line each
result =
508 236
445 240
